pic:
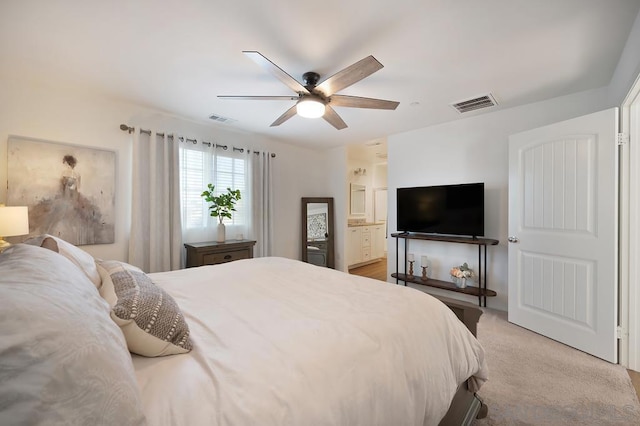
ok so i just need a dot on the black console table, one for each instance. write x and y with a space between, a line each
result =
481 291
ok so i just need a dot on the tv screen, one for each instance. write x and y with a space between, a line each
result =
443 209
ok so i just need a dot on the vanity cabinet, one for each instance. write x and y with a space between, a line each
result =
354 245
365 243
365 254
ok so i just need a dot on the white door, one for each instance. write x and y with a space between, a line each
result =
377 241
563 232
380 205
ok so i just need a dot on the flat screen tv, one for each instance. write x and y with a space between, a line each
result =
443 209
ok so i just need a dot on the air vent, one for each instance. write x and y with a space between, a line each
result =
221 119
486 101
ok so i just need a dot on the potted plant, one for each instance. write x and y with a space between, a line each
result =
221 206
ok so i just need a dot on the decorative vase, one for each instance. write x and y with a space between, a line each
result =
221 231
460 282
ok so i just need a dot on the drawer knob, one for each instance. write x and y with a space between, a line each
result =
228 256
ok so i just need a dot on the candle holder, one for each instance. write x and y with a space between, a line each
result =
411 268
424 273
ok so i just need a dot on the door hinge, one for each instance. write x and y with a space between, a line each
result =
623 138
620 332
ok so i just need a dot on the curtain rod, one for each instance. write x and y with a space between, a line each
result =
130 130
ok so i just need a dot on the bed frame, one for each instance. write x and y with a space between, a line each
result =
466 406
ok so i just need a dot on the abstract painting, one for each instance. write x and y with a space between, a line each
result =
69 189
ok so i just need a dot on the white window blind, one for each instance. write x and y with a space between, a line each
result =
199 167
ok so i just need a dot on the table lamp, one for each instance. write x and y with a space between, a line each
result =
13 221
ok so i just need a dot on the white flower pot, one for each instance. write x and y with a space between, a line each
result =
221 233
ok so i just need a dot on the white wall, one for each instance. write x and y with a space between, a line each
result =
337 177
628 67
474 149
93 120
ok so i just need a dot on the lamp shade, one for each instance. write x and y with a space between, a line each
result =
310 108
14 221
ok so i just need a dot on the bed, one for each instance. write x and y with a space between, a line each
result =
272 341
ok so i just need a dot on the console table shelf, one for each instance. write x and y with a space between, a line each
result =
481 291
445 285
447 239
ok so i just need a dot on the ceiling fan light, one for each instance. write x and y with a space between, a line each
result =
310 108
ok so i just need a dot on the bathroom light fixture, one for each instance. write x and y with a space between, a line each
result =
310 107
360 172
13 221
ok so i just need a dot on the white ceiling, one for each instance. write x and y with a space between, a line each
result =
177 56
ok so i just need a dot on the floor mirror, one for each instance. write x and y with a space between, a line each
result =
317 231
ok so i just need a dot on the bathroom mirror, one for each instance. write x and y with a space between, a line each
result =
317 231
357 204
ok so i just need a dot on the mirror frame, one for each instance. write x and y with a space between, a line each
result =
355 189
330 228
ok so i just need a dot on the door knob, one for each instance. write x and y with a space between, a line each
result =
513 239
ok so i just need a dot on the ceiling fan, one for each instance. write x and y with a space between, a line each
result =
317 100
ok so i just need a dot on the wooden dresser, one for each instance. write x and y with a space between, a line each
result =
213 253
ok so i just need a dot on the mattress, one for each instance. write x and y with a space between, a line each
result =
281 342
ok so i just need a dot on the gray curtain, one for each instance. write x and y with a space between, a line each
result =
262 203
155 243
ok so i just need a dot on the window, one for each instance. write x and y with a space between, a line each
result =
201 167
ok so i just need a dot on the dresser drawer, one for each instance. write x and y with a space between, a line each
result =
213 253
366 254
229 256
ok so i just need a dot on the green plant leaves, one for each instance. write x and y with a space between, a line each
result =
221 205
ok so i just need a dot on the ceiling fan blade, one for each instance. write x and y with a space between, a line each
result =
358 102
332 117
269 66
260 98
350 75
284 117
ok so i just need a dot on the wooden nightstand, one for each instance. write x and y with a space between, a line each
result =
213 253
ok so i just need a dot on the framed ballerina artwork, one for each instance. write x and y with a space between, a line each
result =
69 189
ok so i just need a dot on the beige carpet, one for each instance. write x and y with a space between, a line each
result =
537 381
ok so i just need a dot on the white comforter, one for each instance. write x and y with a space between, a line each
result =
281 342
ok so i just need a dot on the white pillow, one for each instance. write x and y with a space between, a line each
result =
79 257
149 317
62 359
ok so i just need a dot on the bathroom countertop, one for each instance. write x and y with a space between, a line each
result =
352 225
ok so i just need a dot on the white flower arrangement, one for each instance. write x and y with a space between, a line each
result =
462 271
